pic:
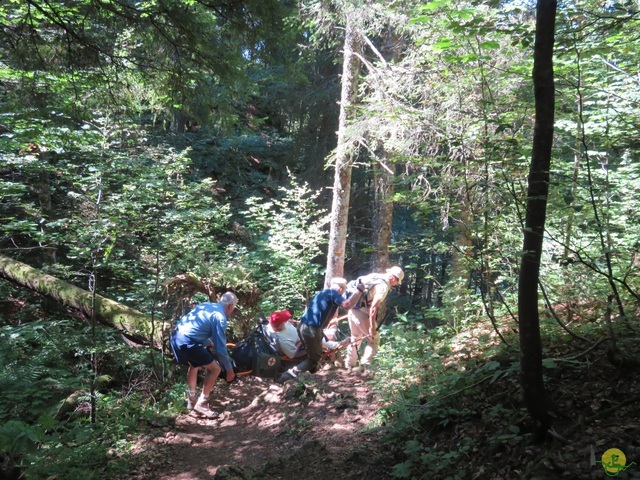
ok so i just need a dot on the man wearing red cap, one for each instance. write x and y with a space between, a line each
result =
285 334
321 309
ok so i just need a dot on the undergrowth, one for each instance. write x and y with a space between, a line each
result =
47 429
450 401
453 407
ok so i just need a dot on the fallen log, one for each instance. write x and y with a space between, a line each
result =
131 322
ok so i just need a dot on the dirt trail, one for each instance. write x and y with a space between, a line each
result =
316 428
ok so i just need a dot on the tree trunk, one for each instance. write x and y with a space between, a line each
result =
130 321
383 216
383 210
459 273
344 155
537 400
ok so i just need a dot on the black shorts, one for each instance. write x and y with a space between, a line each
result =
189 353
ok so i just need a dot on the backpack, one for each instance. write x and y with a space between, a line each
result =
256 355
242 354
369 281
266 360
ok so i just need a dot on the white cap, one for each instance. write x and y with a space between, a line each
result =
396 272
339 281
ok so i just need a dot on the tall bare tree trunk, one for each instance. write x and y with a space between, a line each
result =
383 210
344 154
458 284
382 217
536 398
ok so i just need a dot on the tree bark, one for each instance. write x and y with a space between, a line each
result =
383 216
344 155
537 400
383 209
128 320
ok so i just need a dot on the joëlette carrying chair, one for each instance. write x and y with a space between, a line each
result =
258 355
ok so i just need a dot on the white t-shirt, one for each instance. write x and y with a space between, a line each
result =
286 339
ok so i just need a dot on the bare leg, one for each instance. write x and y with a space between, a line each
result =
192 378
202 405
210 377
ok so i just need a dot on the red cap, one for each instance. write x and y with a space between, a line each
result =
276 318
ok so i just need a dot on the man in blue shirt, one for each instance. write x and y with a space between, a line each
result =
200 340
322 308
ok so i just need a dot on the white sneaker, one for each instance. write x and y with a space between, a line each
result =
203 408
191 402
286 376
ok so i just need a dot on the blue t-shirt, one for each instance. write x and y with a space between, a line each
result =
322 308
205 324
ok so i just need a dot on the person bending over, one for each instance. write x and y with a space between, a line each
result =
363 319
322 308
199 340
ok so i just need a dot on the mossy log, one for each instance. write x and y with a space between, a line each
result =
130 321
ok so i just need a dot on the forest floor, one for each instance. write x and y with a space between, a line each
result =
316 428
326 427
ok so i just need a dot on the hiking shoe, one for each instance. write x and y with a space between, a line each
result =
191 402
285 377
202 407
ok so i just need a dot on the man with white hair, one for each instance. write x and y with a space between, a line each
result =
363 317
200 341
321 309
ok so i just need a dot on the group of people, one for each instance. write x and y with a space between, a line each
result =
282 331
362 306
199 338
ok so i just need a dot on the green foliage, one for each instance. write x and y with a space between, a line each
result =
45 379
452 402
245 165
88 181
462 127
175 59
433 381
18 438
32 375
287 235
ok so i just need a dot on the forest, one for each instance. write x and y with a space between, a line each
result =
157 153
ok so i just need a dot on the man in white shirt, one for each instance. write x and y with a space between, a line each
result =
285 334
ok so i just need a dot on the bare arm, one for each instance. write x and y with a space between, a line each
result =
373 313
350 303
